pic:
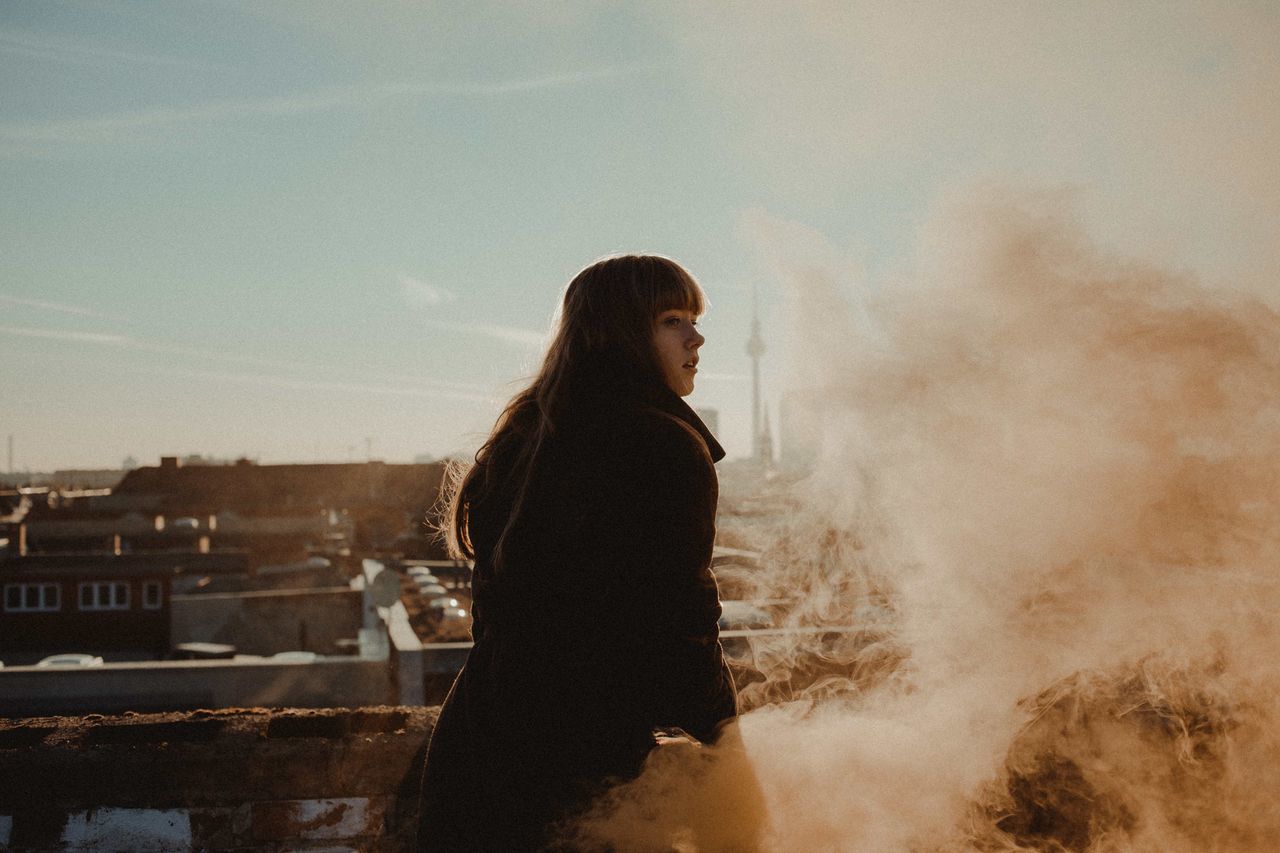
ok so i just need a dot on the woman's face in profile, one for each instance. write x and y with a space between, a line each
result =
675 342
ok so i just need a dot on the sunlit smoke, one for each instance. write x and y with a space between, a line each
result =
1047 499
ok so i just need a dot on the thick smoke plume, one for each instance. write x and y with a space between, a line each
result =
1048 498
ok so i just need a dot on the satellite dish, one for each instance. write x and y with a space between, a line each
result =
384 589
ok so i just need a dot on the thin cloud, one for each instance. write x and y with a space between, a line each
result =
530 84
69 336
445 387
506 334
118 127
66 51
314 384
45 305
420 294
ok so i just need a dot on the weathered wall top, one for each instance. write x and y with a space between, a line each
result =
245 779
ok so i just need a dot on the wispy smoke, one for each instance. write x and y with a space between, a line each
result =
1048 497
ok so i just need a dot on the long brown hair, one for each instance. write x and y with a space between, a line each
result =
603 339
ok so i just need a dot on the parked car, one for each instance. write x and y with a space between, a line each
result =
71 659
295 657
451 623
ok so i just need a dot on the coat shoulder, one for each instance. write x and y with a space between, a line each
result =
657 435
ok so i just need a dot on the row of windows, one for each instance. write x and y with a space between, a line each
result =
92 595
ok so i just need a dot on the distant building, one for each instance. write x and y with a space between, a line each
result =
99 603
347 644
761 447
280 513
14 506
201 459
764 452
710 417
85 478
762 455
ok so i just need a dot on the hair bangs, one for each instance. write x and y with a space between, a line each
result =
675 289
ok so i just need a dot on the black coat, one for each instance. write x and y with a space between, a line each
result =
600 628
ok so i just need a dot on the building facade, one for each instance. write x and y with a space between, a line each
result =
96 603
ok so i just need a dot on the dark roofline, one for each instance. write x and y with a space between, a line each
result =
222 560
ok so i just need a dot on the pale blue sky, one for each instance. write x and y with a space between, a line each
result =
277 229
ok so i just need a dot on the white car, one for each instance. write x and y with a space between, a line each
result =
295 657
71 660
453 623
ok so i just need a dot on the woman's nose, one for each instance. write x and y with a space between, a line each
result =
697 340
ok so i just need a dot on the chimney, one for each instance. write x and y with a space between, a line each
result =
170 463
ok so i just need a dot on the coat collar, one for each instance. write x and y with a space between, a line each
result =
596 396
603 391
668 401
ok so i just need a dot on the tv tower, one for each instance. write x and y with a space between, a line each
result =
755 349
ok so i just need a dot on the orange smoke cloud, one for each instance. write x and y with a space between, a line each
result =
1048 493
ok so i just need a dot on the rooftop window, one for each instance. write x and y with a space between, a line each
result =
104 595
32 597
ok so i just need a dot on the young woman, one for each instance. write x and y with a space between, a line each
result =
590 514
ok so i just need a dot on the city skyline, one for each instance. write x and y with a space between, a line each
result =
277 229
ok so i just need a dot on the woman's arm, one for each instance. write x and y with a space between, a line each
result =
674 599
647 527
